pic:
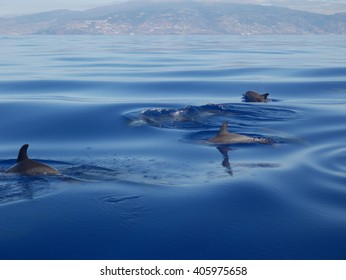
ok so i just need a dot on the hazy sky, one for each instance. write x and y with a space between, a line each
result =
17 7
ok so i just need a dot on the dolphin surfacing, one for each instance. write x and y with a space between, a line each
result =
225 137
252 96
26 166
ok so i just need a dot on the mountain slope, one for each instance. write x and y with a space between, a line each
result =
181 18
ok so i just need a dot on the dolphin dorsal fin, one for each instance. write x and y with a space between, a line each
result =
22 155
224 129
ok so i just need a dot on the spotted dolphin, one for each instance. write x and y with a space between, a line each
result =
26 166
225 137
252 96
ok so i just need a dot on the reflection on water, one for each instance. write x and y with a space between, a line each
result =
17 187
225 163
229 165
14 188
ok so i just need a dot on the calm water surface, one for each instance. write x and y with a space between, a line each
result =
126 120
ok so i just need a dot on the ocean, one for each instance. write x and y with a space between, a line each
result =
126 120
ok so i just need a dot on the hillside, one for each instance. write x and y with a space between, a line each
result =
179 18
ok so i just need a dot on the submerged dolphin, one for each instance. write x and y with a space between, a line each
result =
27 166
225 137
252 96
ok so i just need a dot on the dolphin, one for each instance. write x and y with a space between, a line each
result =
252 96
225 137
26 166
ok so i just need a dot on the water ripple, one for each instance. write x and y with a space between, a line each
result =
209 116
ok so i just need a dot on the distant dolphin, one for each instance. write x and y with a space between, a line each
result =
27 166
225 137
252 96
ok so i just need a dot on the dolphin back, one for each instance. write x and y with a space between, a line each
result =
252 96
26 166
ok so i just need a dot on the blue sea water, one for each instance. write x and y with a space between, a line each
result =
126 120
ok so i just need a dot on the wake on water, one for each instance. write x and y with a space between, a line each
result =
199 122
205 120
